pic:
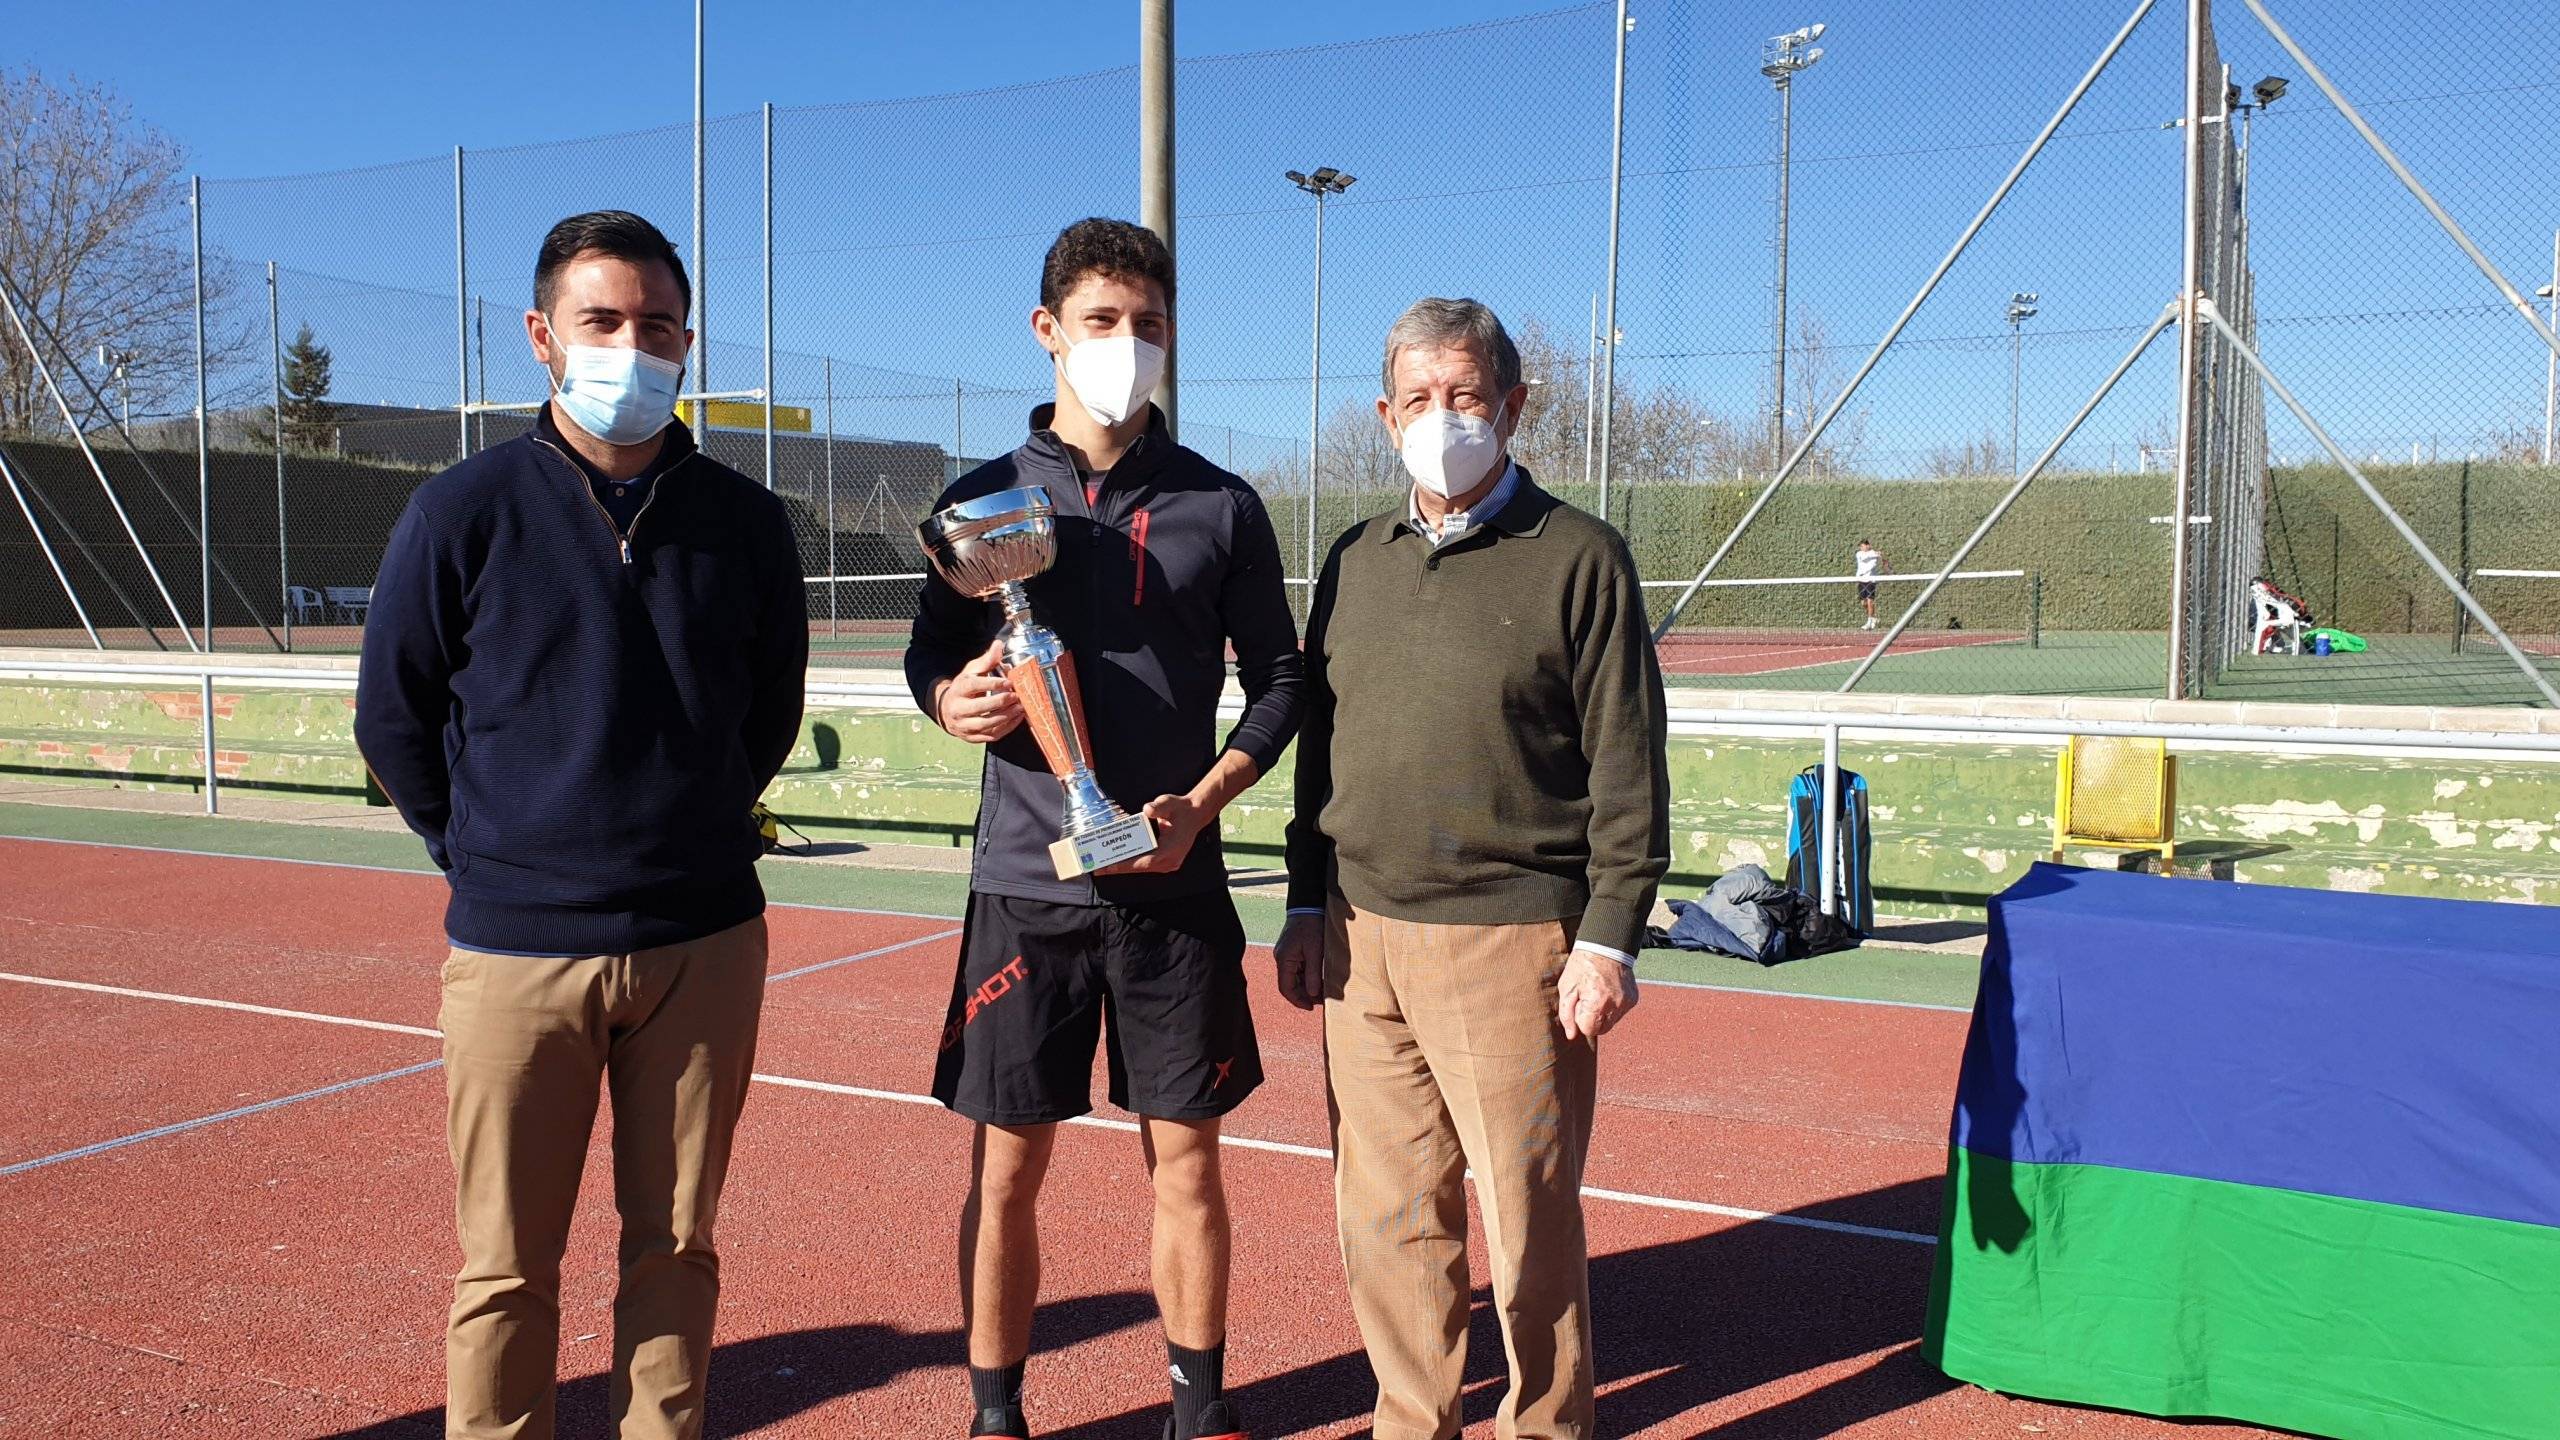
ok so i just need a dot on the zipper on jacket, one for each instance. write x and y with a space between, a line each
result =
1138 559
621 536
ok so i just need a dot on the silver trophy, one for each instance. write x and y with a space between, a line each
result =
985 549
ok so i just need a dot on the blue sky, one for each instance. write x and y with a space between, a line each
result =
910 226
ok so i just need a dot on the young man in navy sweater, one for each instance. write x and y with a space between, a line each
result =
1164 561
583 665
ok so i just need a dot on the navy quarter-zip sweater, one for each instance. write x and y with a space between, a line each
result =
578 716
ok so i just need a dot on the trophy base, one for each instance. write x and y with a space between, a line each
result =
1080 855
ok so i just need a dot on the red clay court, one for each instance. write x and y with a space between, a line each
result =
225 1190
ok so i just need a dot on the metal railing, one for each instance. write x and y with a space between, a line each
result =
1829 726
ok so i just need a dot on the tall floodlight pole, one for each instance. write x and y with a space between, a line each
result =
2022 308
701 267
1785 57
1155 156
1324 182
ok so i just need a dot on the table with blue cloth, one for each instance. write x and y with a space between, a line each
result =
2276 1155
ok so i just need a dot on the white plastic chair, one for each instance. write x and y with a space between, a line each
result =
2279 623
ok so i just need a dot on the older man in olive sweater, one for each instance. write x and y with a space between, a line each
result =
1482 819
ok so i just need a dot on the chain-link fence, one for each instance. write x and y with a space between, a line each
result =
903 258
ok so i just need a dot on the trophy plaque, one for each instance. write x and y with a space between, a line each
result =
985 549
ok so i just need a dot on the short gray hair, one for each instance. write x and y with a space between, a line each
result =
1449 324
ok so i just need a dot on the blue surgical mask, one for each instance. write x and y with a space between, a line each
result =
619 395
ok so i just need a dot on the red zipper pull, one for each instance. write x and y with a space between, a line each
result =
1138 559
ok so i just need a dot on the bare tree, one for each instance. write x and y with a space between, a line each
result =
1816 374
1986 456
94 233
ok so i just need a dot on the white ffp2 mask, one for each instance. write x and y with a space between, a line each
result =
1113 375
1449 453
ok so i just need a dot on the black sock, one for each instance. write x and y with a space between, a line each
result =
995 1389
1199 1376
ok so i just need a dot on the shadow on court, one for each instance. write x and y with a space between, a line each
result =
1679 1326
771 1378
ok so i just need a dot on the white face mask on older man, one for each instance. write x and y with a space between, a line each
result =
1449 453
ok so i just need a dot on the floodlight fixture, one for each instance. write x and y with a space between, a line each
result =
2270 89
1327 181
1789 53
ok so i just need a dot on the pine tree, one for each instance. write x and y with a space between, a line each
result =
308 415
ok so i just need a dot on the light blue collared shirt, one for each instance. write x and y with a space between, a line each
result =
1459 524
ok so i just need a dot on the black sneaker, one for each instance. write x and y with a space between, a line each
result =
1217 1422
1003 1422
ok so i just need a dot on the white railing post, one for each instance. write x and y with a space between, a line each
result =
212 781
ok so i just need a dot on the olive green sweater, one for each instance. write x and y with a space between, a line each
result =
1484 734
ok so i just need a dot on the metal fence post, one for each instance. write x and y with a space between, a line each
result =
1155 160
2191 342
204 449
956 429
768 296
701 262
461 317
275 363
1617 155
832 586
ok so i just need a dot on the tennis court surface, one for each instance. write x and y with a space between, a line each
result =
223 1180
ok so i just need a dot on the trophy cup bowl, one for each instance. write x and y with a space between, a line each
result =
986 549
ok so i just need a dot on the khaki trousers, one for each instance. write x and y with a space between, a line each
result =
1442 1054
671 1034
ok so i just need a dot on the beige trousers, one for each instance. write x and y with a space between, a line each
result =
671 1035
1442 1054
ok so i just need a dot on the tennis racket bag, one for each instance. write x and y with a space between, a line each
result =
1857 845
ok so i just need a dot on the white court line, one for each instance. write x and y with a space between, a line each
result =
865 955
315 1017
428 872
1648 982
240 1005
894 1097
201 1121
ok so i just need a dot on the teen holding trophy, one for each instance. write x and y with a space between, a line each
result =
1092 584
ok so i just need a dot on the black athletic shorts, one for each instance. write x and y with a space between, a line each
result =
1039 982
1866 589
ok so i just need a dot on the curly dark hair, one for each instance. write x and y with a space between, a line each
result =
1113 248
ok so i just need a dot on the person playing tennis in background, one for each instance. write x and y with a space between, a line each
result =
1870 565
